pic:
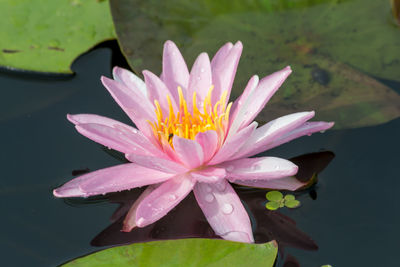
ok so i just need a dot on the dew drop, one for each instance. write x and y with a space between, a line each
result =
134 131
277 167
221 186
208 189
172 197
140 221
227 208
148 205
198 78
209 198
230 168
202 70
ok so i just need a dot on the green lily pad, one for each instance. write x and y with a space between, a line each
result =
274 196
334 47
183 252
292 203
47 35
272 205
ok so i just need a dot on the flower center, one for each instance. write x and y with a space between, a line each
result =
187 123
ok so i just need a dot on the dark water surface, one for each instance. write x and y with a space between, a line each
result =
354 219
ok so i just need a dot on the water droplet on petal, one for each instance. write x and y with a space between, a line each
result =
202 70
209 198
140 221
148 205
221 186
198 78
277 167
227 208
134 131
172 197
230 168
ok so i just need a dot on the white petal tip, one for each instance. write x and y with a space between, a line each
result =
68 192
239 237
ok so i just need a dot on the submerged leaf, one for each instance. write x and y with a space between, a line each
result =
47 35
331 45
183 252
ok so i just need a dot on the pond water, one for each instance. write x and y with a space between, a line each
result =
352 214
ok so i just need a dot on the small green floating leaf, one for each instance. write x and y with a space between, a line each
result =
183 252
292 203
326 265
289 197
272 205
274 196
47 35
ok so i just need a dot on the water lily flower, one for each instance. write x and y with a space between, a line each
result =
190 137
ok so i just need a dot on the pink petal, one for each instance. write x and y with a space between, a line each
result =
267 133
209 175
113 179
208 141
160 201
262 168
237 105
224 71
93 118
125 134
230 147
221 54
284 183
129 79
256 101
158 91
130 218
109 137
160 164
200 79
175 72
224 211
189 151
135 105
306 129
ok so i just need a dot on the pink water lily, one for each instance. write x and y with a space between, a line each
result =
189 137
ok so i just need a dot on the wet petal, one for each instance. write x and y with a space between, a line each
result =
208 141
230 147
284 183
130 218
109 137
257 99
189 152
158 91
129 79
306 129
209 175
200 79
224 211
164 198
93 118
238 104
175 72
113 179
224 71
262 168
272 130
135 105
160 164
221 54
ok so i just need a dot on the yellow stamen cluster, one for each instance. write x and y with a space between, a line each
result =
187 124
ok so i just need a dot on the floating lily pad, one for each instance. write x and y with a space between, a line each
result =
334 47
183 252
47 35
272 205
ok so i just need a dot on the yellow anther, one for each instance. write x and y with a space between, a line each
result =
187 123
